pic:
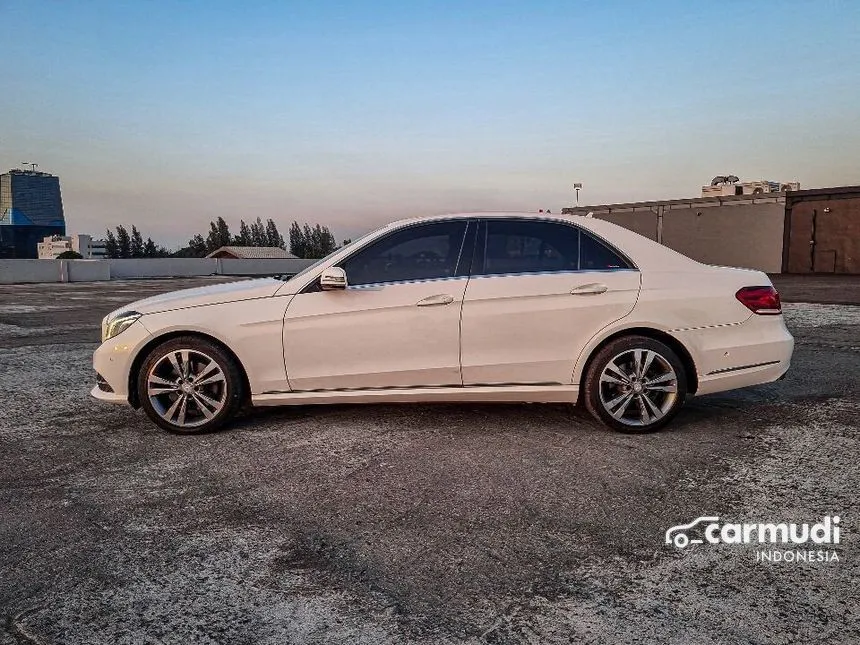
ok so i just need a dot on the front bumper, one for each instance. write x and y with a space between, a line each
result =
110 397
113 359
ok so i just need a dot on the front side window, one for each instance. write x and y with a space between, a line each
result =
523 246
422 252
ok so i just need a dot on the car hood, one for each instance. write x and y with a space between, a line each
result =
212 295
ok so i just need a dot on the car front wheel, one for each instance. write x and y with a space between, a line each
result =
635 384
189 385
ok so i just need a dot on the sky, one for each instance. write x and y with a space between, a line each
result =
353 114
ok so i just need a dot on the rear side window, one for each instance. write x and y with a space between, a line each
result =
594 255
523 246
423 252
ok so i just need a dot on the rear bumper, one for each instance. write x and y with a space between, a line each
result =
754 375
756 351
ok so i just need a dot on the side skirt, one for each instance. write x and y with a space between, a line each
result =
476 393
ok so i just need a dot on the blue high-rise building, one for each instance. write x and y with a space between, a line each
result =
31 208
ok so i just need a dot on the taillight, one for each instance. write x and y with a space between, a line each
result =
760 300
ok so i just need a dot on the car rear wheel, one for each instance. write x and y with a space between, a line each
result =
635 384
189 385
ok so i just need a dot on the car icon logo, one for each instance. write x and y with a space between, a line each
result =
678 536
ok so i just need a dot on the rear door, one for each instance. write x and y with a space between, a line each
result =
539 291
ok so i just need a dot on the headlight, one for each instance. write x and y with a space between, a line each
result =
114 326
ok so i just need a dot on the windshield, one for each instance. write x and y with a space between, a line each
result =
316 264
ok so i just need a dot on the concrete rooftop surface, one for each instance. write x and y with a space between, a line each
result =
422 524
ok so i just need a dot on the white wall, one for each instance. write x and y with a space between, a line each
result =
161 267
15 271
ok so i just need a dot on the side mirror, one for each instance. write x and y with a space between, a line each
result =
333 278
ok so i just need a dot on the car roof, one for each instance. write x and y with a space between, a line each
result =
493 214
645 253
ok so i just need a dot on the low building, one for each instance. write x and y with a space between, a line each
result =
730 185
251 253
53 246
793 231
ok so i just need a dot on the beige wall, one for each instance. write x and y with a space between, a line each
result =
749 236
643 222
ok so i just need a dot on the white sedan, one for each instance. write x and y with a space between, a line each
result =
491 307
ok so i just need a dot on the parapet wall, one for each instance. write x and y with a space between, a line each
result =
21 271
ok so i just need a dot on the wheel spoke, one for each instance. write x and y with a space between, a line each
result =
644 416
215 378
652 407
183 408
157 386
171 411
210 367
215 405
668 376
649 358
613 369
161 381
637 363
618 406
158 391
204 410
175 363
608 378
662 388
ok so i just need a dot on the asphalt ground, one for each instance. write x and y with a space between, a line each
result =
420 523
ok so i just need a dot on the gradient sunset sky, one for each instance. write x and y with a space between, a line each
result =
352 114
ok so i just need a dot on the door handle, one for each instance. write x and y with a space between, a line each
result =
439 299
589 289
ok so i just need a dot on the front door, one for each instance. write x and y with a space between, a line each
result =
540 291
396 325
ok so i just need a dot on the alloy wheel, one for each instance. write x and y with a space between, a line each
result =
186 388
638 387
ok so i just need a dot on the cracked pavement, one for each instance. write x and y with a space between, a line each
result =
414 524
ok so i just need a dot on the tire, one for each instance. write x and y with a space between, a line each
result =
212 385
624 398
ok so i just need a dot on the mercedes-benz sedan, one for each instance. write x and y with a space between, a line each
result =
490 307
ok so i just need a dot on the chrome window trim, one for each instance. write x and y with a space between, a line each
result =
377 286
544 273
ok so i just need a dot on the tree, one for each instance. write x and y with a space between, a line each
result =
297 240
111 247
273 237
258 233
244 237
224 237
123 242
212 238
149 249
311 242
70 255
136 244
197 246
219 235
